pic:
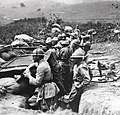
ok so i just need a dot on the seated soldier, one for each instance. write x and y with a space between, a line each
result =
81 78
42 80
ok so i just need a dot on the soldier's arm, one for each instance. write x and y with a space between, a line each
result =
39 76
86 77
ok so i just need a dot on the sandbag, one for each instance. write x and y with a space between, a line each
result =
12 54
2 60
5 56
14 87
18 51
23 37
19 43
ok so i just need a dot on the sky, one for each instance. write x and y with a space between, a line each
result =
60 1
68 1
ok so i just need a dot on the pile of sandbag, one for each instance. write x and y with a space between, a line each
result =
6 56
22 40
13 86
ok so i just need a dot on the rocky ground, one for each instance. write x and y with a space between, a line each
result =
98 99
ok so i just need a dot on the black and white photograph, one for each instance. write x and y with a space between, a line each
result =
59 57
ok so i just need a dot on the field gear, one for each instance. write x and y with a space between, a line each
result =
79 53
44 97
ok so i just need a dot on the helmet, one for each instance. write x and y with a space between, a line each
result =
55 25
87 46
74 35
75 42
48 40
79 53
55 39
54 30
65 42
68 29
87 37
38 52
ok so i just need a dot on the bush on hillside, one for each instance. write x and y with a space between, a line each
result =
33 26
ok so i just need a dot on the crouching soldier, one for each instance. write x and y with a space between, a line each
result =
46 90
81 78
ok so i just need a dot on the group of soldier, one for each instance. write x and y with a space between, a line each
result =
61 65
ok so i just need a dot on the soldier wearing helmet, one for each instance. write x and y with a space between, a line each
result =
64 61
75 44
81 78
43 76
68 30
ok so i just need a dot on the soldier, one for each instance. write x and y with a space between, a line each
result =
64 60
75 44
42 78
81 78
51 56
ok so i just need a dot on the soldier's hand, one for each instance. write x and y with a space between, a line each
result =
26 73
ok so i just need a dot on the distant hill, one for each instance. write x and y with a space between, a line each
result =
77 12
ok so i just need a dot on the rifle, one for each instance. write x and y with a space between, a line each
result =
99 67
44 105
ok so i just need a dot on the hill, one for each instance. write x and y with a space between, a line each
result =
81 12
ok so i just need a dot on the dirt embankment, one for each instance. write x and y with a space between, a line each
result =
103 98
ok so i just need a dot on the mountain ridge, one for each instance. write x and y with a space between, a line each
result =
69 12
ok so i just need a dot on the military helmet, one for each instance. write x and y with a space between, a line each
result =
48 40
65 42
55 25
79 53
87 46
68 29
76 42
54 30
55 39
74 35
38 52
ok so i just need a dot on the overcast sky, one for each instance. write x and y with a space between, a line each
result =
61 1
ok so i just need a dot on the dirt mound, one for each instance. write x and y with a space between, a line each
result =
100 99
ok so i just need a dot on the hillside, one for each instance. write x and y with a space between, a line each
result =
76 12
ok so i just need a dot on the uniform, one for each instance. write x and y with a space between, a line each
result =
81 78
65 71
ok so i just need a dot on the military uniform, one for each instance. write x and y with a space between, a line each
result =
64 57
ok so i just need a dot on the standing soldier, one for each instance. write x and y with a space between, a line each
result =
64 60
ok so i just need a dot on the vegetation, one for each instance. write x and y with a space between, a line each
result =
32 27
